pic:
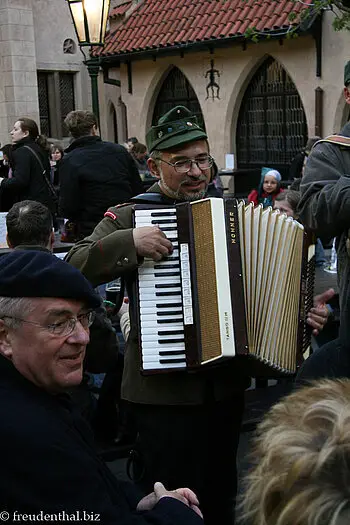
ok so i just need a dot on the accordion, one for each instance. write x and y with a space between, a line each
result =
238 284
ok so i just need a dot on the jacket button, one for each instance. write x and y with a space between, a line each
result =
125 260
119 263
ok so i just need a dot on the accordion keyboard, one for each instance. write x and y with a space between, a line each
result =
160 298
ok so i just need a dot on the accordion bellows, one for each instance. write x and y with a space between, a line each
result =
238 285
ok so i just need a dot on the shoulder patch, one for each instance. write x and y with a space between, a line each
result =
111 215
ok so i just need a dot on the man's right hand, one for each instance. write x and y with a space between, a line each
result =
185 495
151 242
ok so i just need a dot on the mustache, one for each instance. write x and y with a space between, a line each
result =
190 179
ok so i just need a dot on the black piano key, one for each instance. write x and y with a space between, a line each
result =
162 213
169 332
165 361
165 221
169 321
167 285
169 305
168 341
170 229
173 239
164 266
171 258
171 352
160 314
165 294
166 274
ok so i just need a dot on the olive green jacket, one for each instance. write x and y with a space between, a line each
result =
109 252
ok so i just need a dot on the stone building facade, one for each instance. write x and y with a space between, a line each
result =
311 64
41 71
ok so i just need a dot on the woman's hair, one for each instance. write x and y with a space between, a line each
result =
139 148
56 147
291 196
301 460
27 124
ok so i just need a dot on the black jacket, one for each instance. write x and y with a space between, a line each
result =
27 181
48 463
95 175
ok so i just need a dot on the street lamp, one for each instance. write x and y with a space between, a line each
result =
90 20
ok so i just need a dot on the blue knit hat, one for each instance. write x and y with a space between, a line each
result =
31 273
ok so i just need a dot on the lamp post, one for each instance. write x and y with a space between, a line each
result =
90 22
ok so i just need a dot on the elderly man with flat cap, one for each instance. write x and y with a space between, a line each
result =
325 198
49 469
188 423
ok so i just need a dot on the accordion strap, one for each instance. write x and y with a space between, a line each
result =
335 139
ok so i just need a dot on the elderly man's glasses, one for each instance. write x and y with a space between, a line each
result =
62 328
203 162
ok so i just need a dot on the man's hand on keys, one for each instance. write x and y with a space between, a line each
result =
151 242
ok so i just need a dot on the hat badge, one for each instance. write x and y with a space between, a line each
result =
189 124
160 134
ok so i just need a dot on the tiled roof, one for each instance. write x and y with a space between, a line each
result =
157 24
120 9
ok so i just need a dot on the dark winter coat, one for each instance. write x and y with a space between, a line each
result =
27 180
48 463
95 175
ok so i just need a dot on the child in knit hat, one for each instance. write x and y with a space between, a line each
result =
269 188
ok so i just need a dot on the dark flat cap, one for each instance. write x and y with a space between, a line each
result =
31 273
178 126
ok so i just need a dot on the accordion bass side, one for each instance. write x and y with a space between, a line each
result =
238 285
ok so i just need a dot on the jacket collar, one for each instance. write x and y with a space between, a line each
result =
23 142
83 141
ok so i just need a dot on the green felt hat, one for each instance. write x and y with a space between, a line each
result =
176 127
347 73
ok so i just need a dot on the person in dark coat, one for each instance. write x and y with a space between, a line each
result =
30 161
48 464
94 174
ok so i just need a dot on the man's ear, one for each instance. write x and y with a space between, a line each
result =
153 168
8 241
5 341
347 95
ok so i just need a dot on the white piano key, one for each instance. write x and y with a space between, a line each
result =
156 360
160 366
153 320
160 279
154 328
176 299
148 212
153 344
145 285
163 340
150 294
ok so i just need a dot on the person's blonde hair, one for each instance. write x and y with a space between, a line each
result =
301 472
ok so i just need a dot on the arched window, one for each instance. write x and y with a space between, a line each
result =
176 91
271 126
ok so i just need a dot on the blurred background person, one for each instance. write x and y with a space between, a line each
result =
31 166
130 143
56 155
297 165
269 188
94 175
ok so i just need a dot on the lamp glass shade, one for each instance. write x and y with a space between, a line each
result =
90 20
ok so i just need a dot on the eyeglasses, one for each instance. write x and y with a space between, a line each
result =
62 328
203 162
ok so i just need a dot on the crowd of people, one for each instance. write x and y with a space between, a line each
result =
54 327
